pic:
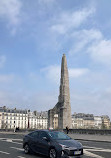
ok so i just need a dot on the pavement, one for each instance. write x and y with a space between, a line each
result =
95 146
90 137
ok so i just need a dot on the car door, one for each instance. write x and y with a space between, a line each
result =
34 141
44 144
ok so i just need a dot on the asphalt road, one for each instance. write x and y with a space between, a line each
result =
11 147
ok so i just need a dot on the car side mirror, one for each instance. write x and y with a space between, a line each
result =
44 138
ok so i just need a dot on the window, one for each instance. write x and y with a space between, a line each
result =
58 135
43 134
34 134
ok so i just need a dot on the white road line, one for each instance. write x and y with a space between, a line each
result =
20 156
11 142
17 148
104 150
16 143
89 147
11 139
87 153
3 152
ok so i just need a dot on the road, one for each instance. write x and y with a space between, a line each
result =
11 147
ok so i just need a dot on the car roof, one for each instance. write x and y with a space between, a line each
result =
45 130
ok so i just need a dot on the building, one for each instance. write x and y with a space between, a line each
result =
105 122
88 122
38 120
98 122
82 120
13 118
77 121
85 121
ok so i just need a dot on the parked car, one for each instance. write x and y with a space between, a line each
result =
54 144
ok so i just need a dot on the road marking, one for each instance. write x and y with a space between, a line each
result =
11 139
7 140
87 153
20 156
4 152
16 143
104 150
100 149
17 148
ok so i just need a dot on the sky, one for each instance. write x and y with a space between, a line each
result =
34 34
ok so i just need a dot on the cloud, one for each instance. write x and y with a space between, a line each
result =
53 73
27 100
2 60
70 20
92 102
92 43
46 1
6 78
10 10
101 52
83 39
74 73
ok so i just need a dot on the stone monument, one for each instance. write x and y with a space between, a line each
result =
63 107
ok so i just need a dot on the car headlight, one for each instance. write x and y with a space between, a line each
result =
80 144
63 146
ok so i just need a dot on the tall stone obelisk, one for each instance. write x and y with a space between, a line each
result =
63 107
64 97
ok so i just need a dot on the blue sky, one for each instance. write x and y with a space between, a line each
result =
33 37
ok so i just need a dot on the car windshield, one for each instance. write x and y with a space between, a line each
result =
58 135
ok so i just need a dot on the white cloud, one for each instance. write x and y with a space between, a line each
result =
10 10
46 1
74 73
53 73
27 100
91 103
2 61
83 38
70 20
101 51
92 42
6 78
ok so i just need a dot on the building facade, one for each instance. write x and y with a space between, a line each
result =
13 118
105 122
37 120
89 121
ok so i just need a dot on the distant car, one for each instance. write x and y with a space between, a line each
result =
54 144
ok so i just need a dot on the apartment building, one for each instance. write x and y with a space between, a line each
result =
81 120
14 118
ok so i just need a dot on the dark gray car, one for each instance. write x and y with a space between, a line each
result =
54 144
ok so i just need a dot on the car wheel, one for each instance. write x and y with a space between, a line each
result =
26 149
52 153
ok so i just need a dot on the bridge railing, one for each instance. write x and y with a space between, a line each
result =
90 131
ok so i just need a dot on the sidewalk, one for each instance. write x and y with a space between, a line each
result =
90 137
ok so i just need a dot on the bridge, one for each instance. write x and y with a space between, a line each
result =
95 146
